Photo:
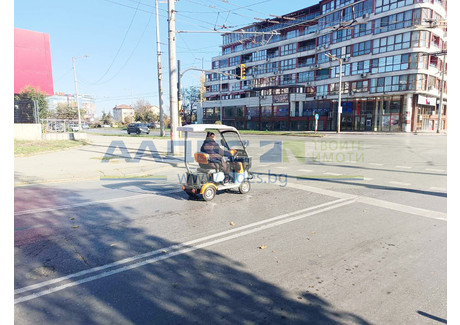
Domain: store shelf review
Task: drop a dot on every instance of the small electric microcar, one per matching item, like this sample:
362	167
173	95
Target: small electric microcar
208	178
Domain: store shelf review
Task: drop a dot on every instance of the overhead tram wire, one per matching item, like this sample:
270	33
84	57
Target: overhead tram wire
121	45
131	54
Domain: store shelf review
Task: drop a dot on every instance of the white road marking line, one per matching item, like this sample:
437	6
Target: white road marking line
380	203
261	225
403	208
368	179
131	259
399	183
438	189
261	165
305	170
332	174
404	167
435	170
281	167
375	164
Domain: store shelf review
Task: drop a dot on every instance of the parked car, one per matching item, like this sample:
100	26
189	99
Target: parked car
138	128
153	125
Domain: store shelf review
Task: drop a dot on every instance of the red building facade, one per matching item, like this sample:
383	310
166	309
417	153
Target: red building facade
32	61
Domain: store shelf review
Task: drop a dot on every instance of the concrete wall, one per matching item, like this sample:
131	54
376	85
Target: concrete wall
27	131
65	136
31	131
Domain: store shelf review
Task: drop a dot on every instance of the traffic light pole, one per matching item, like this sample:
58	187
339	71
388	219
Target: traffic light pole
173	75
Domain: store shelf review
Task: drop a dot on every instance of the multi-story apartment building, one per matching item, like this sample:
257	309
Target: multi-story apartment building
392	55
123	113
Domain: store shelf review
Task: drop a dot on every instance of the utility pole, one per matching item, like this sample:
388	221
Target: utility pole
76	93
339	108
442	53
441	97
179	96
160	85
172	73
76	88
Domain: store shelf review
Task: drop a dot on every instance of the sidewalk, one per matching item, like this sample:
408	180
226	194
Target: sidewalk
87	163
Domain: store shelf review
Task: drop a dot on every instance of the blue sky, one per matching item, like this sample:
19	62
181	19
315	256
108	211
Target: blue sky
120	41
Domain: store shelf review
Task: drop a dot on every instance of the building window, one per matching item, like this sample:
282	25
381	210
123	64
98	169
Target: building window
362	8
341	3
360	86
345	70
334	88
322	90
306	76
287	64
306	61
390	63
324	39
397	21
281	110
307	45
328	7
363	29
341	35
292	34
398	83
253	111
272	67
360	67
259	55
322	58
322	74
288	49
237	48
288	79
391	43
235	60
342	52
386	5
362	48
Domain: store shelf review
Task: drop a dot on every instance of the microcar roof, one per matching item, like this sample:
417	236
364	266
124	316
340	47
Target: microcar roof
205	127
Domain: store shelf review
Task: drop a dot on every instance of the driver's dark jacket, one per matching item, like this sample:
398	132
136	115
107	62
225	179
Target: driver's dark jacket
213	149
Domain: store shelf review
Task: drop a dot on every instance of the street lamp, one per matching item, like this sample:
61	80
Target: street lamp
76	88
339	108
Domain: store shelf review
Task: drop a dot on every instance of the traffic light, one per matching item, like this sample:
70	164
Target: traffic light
238	73
243	71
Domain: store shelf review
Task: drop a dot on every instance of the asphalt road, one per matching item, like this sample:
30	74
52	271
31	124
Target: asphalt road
347	229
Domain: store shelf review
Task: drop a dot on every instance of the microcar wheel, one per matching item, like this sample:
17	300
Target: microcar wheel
209	193
244	187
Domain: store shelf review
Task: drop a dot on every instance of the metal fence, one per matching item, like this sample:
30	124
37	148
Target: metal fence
26	111
56	125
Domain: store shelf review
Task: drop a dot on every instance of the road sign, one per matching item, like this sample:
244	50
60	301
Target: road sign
316	117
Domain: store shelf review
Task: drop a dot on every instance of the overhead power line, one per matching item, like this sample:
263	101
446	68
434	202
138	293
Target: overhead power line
122	43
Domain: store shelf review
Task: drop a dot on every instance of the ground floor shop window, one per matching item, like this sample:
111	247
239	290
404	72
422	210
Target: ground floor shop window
280	126
252	125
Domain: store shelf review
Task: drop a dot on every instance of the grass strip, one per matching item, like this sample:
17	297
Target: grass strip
32	147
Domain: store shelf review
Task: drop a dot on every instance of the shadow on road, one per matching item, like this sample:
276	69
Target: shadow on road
356	184
438	319
200	286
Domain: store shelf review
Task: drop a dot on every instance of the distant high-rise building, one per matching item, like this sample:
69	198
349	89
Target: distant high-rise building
87	104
